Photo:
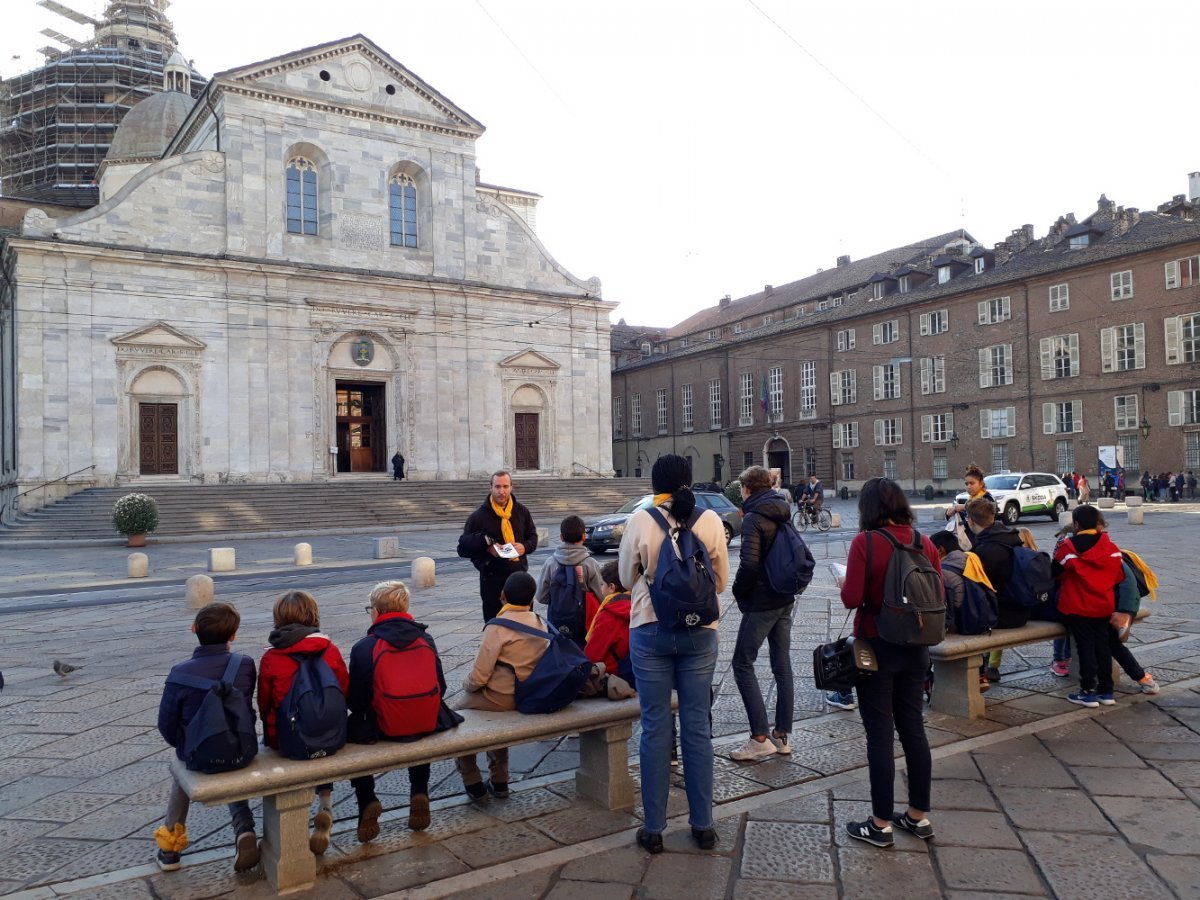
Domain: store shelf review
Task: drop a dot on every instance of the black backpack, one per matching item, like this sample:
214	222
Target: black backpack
220	737
913	608
684	590
566	612
311	720
788	566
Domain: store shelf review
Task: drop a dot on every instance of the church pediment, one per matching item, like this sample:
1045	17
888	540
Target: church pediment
159	336
354	75
530	360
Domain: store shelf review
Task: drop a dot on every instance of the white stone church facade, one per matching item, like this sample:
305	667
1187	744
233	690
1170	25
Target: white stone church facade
304	279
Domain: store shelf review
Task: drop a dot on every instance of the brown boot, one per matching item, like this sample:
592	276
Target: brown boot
418	812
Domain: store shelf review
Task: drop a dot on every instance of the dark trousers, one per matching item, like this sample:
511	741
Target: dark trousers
1091	636
490	588
1125	659
892	700
775	627
364	785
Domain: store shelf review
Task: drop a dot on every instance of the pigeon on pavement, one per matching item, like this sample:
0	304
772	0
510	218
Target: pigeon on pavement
63	669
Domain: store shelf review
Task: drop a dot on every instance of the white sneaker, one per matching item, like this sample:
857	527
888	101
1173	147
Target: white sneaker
782	745
753	749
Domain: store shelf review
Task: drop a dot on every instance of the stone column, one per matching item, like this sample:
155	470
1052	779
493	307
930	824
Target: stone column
956	692
603	774
286	859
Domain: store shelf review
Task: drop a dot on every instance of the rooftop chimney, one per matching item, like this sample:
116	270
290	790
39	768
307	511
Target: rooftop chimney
767	288
1194	186
724	301
843	261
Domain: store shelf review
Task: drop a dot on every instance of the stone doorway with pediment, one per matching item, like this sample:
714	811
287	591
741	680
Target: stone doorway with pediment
529	380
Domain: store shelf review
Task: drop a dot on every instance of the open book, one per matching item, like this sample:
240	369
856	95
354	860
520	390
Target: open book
506	551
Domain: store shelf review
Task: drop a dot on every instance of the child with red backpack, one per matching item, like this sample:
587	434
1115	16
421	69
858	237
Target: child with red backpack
396	693
296	639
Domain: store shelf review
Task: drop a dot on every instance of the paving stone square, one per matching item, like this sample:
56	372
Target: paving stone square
987	870
1070	864
787	851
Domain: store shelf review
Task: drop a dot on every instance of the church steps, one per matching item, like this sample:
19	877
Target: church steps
343	503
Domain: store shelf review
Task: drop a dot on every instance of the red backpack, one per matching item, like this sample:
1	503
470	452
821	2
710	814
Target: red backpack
406	693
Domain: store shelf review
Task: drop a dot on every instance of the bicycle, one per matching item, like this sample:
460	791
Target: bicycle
821	519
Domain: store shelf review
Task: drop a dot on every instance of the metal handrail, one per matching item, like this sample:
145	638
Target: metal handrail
590	469
44	484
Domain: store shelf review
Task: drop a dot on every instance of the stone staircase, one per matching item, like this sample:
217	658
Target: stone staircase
353	503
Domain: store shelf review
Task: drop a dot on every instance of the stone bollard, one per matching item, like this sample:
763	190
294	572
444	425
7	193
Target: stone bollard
1064	518
1106	503
835	520
424	572
1132	500
543	535
1136	515
302	554
222	559
1072	503
138	565
199	591
385	547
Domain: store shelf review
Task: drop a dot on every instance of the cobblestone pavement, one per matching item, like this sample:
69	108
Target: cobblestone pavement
1031	801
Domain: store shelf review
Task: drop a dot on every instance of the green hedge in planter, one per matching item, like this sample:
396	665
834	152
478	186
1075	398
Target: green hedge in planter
135	514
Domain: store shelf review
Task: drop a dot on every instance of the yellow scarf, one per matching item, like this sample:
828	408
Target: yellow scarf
973	569
1087	531
510	606
1147	572
505	515
596	618
660	499
982	491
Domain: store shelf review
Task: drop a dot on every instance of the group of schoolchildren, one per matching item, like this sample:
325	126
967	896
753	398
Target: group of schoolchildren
311	704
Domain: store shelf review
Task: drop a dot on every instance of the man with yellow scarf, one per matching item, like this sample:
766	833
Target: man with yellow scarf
501	521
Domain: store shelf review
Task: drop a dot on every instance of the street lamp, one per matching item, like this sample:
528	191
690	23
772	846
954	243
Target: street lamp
954	441
1145	428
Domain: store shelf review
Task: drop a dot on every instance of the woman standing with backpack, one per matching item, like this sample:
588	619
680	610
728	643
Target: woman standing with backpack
673	654
890	700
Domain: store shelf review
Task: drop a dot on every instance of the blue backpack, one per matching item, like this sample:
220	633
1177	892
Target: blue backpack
789	565
220	737
311	720
980	606
1031	583
558	676
566	611
683	592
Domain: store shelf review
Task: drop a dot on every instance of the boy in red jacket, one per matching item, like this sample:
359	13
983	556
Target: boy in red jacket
297	632
1088	568
608	635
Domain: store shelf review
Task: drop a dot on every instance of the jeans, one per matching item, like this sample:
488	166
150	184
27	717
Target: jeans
685	661
1124	657
178	803
1095	656
775	627
892	700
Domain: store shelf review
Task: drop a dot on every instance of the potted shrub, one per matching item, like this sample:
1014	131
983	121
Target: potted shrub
135	516
733	491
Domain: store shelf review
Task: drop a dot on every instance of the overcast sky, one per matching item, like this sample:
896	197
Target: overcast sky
686	149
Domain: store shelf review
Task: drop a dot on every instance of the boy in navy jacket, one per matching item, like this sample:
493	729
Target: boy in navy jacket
215	626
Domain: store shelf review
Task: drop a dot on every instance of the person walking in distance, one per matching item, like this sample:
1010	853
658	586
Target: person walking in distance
398	466
498	538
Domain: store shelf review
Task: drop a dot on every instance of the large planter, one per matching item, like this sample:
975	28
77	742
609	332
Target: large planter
136	540
135	516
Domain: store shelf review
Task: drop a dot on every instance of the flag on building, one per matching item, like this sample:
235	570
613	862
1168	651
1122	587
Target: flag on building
765	399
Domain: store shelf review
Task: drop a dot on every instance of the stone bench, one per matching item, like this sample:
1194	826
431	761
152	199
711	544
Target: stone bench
956	661
286	785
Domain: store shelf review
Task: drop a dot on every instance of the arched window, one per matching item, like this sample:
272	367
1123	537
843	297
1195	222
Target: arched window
402	202
301	196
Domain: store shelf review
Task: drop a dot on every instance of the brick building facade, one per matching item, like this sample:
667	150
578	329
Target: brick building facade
915	362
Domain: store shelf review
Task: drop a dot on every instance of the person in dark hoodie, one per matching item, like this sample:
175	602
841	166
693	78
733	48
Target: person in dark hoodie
766	616
297	633
501	522
392	698
571	552
994	544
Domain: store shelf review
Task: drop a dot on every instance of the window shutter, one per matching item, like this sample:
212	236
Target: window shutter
1005	308
837	437
877	378
1012	421
899	430
985	369
878	432
1046	346
1107	353
1073	346
924	323
926	429
835	394
1171	329
1139	345
1174	407
985	423
1077	415
1171	273
877	334
854	385
949	423
1048	418
1008	364
895	323
984	313
926	375
853	442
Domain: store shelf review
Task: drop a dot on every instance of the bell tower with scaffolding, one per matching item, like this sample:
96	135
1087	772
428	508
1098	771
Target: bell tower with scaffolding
57	122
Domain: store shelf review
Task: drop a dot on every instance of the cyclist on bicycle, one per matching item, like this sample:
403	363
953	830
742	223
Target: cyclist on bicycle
812	498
